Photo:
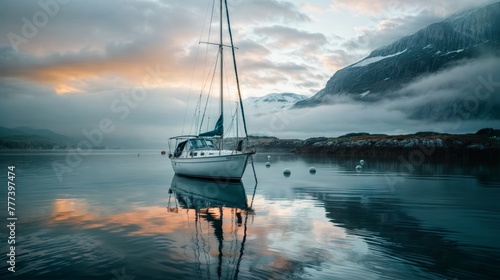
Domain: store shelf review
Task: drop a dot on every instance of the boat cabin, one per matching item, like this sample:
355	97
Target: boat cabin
195	147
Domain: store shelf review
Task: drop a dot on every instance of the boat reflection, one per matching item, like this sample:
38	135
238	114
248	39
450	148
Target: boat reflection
223	207
198	194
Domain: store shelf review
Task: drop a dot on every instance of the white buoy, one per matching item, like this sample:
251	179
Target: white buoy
287	172
362	162
268	164
358	168
268	157
312	170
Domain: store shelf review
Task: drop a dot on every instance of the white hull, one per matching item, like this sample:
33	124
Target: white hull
222	168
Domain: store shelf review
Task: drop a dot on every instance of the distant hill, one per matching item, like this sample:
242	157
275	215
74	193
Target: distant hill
467	35
44	133
29	138
25	137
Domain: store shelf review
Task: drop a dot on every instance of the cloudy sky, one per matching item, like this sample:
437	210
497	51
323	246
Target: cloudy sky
67	65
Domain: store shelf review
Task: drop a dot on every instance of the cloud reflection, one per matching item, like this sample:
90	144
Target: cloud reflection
299	230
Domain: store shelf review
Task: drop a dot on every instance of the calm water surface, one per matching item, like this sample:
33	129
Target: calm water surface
121	216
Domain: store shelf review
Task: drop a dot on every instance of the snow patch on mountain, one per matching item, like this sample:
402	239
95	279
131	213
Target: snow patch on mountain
271	103
456	51
365	93
371	60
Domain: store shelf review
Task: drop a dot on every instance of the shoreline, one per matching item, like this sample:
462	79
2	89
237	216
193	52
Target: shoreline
483	145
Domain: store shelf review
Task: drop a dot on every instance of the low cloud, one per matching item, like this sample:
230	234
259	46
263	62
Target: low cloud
469	90
426	104
461	99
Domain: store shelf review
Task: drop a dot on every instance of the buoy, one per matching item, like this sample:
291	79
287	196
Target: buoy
312	170
287	172
358	168
163	153
268	157
268	164
362	162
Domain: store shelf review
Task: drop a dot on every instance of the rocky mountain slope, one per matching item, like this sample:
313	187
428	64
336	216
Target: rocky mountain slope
467	35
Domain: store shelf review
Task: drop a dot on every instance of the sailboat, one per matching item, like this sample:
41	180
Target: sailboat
203	155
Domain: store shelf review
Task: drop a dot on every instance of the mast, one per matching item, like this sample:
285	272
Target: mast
221	48
236	73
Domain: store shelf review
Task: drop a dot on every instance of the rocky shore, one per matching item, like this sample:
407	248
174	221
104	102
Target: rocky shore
484	144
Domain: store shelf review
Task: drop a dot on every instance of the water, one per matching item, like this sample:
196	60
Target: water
124	215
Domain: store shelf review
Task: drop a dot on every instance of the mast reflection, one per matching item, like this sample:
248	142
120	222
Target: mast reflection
224	207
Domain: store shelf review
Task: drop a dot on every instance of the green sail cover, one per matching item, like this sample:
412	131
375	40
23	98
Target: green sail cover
218	130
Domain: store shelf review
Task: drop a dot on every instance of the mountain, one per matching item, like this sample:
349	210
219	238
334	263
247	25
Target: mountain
466	35
271	103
